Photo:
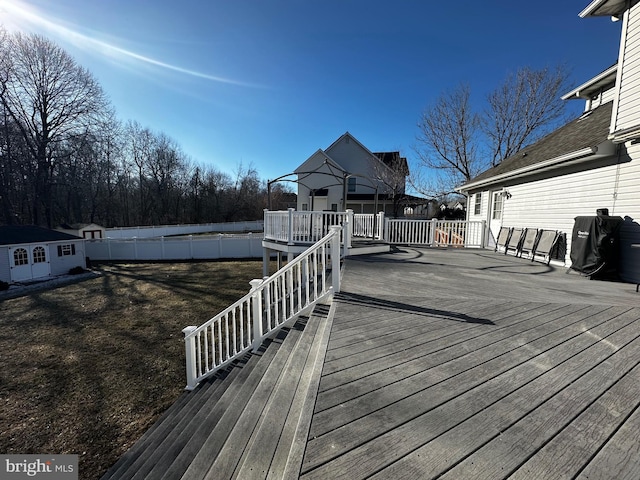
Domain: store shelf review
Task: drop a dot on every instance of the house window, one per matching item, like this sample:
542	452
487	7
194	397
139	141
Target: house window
478	205
39	255
352	184
20	257
497	206
305	207
334	207
64	250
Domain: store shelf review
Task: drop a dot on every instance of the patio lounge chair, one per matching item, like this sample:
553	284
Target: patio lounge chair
529	242
503	238
546	243
515	240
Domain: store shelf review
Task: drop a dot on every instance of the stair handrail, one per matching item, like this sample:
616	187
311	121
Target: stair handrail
272	303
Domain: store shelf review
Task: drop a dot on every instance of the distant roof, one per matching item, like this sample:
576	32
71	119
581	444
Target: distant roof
16	234
76	226
392	159
588	130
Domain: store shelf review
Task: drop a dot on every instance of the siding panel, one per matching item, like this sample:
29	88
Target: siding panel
628	113
553	203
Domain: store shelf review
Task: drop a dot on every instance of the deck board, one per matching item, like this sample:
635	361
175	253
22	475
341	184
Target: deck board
501	396
441	364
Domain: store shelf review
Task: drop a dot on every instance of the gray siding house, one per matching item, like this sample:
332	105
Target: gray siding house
592	162
347	175
28	252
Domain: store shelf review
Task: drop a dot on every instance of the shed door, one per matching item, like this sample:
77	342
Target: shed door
40	264
20	263
29	261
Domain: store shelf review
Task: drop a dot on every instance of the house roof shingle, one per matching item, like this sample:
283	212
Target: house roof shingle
17	234
588	130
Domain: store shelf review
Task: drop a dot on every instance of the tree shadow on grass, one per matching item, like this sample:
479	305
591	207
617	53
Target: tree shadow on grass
379	303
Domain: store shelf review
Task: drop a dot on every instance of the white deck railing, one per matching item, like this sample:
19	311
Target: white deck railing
296	228
272	303
456	233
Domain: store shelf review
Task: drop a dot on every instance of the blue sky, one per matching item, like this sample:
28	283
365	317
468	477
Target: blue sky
267	83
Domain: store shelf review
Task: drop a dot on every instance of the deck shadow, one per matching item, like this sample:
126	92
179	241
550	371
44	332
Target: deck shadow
356	299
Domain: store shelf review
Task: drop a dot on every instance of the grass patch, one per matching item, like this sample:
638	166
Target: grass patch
87	368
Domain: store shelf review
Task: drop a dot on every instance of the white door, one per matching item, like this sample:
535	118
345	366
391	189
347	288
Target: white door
40	264
496	203
20	263
319	204
29	261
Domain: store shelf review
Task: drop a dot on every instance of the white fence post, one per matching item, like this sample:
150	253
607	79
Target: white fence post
379	233
190	354
290	229
256	307
348	231
432	231
335	259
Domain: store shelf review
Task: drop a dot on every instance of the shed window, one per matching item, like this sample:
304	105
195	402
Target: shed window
20	257
39	255
497	206
478	205
64	250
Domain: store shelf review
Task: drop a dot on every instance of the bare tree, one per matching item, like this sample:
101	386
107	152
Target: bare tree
524	108
448	140
391	175
455	143
50	99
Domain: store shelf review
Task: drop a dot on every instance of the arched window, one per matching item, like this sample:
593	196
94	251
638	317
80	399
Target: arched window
39	255
20	257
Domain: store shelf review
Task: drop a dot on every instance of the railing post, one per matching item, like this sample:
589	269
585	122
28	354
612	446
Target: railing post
348	232
290	229
190	355
379	233
335	259
265	224
485	234
432	231
386	234
256	310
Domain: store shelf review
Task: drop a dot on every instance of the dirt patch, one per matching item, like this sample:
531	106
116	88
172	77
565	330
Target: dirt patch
88	367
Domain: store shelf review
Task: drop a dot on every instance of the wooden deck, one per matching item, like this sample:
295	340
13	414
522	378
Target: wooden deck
451	364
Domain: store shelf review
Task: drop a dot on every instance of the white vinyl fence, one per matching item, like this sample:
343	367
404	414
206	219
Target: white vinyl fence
204	247
272	303
188	229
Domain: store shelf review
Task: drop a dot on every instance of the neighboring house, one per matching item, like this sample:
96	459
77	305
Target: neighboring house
28	252
372	182
590	163
83	230
453	210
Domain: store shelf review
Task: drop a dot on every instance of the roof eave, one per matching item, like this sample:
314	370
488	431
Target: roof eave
603	8
585	154
585	90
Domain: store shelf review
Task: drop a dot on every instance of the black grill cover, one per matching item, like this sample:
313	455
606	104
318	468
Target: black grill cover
594	244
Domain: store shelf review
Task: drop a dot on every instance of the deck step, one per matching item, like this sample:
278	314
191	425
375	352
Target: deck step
169	435
238	424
